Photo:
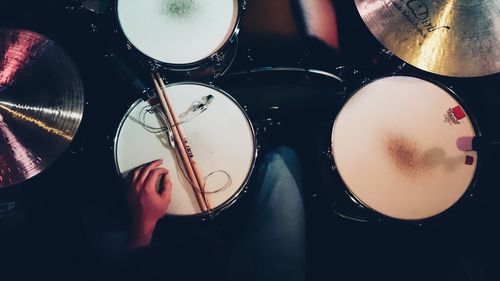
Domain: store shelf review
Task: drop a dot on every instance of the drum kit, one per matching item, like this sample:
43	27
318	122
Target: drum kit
392	144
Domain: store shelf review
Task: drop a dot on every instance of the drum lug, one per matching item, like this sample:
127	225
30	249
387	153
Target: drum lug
384	62
217	60
74	6
243	5
153	66
93	27
129	46
350	76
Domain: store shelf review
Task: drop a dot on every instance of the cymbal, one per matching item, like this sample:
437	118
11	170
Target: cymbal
458	38
41	104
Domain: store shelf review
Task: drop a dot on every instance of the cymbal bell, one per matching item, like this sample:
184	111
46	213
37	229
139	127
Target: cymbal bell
41	104
458	38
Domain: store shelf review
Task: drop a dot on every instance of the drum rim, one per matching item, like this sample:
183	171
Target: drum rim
379	215
233	198
95	11
191	65
286	69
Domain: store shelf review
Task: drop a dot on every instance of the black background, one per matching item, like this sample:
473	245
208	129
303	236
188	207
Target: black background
51	242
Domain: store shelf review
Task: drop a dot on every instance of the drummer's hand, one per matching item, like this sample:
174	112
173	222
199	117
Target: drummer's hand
146	204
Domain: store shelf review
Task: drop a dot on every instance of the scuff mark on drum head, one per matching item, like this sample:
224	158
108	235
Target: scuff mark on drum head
407	156
179	8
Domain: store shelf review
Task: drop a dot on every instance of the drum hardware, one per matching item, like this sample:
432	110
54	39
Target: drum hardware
41	99
451	38
97	7
384	62
243	5
74	5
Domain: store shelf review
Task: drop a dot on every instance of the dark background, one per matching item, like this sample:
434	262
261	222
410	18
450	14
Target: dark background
47	238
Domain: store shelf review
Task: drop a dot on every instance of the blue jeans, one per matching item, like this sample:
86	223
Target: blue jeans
273	245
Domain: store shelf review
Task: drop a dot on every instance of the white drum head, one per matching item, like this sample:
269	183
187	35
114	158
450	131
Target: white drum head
394	145
178	31
221	138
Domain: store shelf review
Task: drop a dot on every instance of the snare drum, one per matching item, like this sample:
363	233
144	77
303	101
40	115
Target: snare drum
394	147
193	36
221	138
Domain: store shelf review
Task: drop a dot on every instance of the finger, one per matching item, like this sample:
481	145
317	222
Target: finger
135	175
166	185
153	178
138	170
147	169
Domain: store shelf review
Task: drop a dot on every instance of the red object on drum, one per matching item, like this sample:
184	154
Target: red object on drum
458	112
469	160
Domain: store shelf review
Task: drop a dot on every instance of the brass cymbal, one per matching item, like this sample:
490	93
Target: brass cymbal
457	38
41	104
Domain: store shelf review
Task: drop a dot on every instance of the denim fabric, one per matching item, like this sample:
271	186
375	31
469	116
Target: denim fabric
273	244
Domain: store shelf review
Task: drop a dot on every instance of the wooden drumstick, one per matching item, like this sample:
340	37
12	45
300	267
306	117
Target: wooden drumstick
180	148
187	148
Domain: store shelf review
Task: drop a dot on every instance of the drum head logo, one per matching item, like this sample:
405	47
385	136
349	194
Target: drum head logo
454	115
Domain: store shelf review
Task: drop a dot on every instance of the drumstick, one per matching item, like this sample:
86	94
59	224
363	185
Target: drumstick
187	148
180	148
